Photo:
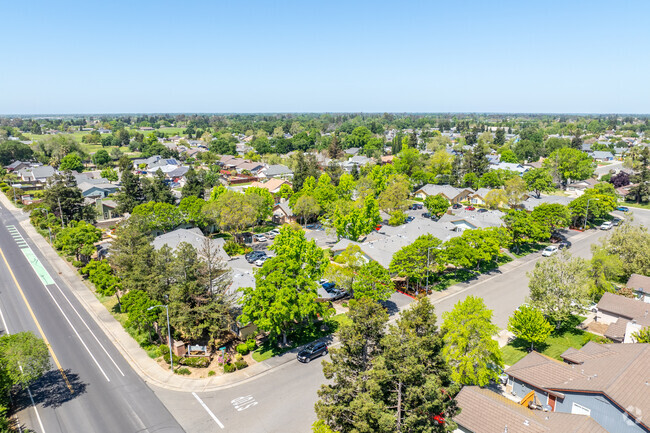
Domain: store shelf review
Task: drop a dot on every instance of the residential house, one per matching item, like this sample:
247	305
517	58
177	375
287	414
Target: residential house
357	160
387	159
511	166
352	151
477	198
532	201
453	194
36	174
97	190
625	316
278	171
470	220
283	214
602	156
641	286
619	152
581	185
17	166
145	162
485	411
106	210
272	185
608	382
194	237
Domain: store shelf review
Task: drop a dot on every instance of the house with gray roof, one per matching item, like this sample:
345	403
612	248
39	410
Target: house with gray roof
533	201
97	190
194	237
35	174
608	382
352	151
17	165
511	166
470	220
451	193
601	155
641	286
477	198
278	171
625	316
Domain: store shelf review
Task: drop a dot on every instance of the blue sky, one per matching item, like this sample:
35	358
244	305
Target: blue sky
324	56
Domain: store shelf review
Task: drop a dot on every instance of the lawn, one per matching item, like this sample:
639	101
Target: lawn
304	335
526	249
447	279
555	345
637	205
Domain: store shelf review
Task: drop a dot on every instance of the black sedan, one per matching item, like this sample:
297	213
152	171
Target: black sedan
312	351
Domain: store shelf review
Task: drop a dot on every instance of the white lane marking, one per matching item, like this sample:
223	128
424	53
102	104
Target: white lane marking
207	409
71	325
243	403
38	417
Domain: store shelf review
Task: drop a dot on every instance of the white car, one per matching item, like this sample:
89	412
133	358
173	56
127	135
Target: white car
550	250
260	262
259	238
607	225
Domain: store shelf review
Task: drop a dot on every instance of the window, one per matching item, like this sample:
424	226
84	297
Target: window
578	409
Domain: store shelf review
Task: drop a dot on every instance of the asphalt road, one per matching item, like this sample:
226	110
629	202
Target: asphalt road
95	389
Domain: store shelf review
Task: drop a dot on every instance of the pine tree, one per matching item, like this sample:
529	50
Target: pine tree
130	194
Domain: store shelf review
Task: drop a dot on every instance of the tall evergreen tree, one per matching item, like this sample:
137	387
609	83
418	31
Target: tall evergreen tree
130	194
193	185
66	201
156	189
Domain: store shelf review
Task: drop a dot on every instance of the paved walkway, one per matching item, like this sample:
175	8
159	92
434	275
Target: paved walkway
146	367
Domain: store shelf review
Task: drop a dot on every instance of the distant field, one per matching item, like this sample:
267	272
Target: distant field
171	131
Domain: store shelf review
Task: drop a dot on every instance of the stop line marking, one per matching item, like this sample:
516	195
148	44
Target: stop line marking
207	409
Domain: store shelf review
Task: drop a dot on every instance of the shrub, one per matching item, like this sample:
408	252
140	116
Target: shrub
77	264
162	349
397	218
183	371
251	344
229	368
241	364
238	357
232	248
198	362
211	373
243	349
174	357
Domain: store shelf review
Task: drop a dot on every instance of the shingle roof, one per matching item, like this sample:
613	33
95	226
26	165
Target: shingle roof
193	237
484	411
616	331
639	282
277	170
447	190
622	306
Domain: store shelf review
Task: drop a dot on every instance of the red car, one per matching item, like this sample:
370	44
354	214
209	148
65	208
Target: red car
378	227
470	208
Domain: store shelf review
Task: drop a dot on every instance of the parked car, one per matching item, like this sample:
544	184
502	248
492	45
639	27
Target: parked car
617	221
254	255
409	219
457	206
550	250
607	225
623	209
564	244
415	206
328	285
379	226
270	235
470	208
312	351
260	262
426	215
482	210
259	238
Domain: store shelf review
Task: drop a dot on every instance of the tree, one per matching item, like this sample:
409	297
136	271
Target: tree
159	216
509	156
324	192
192	210
372	281
78	239
495	198
539	180
552	215
101	158
436	204
157	189
11	151
24	358
529	325
232	211
306	207
642	335
109	174
132	255
605	268
630	244
470	180
71	162
472	248
515	189
66	200
292	246
262	200
500	137
393	197
620	179
101	274
193	185
558	286
591	205
569	164
130	194
470	351
524	228
352	220
334	150
415	260
350	361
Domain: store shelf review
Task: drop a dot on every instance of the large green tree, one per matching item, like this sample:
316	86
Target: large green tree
471	352
157	189
436	204
539	180
130	194
530	325
71	162
414	260
78	239
66	201
569	165
372	281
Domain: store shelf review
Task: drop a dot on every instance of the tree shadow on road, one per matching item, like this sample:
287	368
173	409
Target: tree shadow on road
52	391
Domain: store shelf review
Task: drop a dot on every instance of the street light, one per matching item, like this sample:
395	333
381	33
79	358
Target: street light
47	218
586	215
169	335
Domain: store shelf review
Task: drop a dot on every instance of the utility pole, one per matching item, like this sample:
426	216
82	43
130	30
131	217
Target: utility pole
60	211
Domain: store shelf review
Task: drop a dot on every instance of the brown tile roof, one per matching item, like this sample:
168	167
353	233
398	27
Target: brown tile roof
639	282
484	411
616	331
619	371
622	306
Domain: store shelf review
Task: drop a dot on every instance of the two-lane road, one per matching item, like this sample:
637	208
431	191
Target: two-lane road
91	387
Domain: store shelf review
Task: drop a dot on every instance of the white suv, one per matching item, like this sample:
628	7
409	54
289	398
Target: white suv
550	250
607	225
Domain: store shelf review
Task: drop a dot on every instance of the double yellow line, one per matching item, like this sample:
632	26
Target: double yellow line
38	325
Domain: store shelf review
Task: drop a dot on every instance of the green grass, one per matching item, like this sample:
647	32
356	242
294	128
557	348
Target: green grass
304	335
555	345
637	205
526	249
448	279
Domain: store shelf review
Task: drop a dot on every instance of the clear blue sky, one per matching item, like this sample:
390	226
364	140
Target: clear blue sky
317	56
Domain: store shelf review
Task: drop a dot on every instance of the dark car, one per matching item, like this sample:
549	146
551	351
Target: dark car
328	286
254	255
426	215
418	206
482	210
457	206
409	219
563	244
312	351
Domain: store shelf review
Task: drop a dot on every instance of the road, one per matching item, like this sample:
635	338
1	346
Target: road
91	387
